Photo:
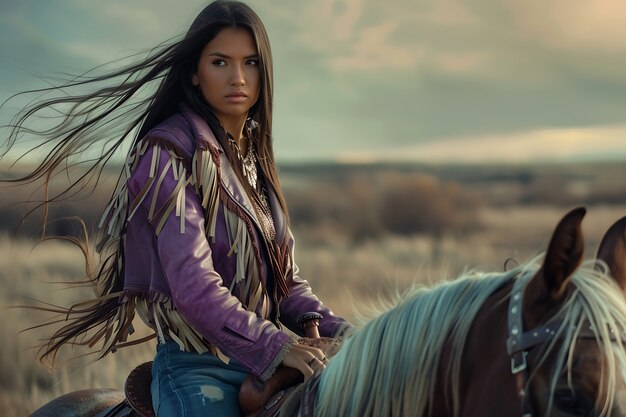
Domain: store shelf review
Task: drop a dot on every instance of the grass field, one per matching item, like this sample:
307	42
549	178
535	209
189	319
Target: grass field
467	219
346	276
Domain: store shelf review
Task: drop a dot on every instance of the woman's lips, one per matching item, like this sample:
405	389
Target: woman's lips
237	97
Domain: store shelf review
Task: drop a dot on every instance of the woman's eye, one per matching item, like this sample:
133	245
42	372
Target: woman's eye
219	62
252	62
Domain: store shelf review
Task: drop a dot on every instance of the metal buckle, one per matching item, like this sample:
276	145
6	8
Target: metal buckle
515	367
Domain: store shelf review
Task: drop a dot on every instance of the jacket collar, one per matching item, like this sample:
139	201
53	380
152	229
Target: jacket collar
231	183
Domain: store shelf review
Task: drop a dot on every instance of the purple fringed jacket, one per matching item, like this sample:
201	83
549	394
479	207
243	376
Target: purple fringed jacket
195	266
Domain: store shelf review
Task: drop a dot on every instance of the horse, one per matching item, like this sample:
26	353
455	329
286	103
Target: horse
544	338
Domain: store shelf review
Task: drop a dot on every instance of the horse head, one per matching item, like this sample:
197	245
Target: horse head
565	328
580	372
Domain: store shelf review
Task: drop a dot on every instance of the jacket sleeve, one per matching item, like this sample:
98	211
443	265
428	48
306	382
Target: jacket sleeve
302	300
197	290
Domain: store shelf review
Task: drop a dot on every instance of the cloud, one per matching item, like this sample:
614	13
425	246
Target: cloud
446	13
373	51
343	15
460	62
119	28
320	28
350	37
9	6
445	36
370	74
549	145
596	25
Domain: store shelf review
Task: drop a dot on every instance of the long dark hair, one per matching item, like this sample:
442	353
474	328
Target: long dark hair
119	104
109	116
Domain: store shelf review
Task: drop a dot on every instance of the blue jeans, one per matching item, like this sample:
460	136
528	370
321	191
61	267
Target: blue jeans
186	384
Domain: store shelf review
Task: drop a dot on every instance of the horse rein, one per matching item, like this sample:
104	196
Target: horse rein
520	342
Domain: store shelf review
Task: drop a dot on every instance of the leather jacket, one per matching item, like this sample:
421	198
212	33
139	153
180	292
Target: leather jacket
180	270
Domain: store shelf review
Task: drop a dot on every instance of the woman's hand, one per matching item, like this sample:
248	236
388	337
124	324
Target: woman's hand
306	359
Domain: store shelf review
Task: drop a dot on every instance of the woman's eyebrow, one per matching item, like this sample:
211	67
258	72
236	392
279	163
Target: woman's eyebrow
223	55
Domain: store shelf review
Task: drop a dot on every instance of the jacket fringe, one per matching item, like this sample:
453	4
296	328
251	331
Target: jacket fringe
155	309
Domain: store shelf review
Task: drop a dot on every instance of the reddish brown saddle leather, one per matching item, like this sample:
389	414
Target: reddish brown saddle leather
137	390
253	395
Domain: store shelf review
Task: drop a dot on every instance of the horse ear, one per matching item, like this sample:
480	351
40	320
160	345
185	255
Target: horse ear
613	251
565	252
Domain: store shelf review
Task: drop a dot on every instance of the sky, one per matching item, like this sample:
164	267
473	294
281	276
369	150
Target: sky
442	81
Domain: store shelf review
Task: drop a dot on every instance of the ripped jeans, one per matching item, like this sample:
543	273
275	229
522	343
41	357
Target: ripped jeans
186	384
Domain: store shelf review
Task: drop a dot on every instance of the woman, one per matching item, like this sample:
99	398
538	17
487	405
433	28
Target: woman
196	238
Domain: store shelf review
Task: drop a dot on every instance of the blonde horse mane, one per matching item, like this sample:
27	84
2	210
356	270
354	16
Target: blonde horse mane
388	367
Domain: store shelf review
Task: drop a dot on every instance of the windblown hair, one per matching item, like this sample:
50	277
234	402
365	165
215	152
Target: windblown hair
120	107
390	364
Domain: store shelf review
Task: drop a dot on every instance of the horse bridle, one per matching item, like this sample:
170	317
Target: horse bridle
520	342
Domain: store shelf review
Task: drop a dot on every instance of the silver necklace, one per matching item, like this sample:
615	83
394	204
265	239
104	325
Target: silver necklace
248	162
249	169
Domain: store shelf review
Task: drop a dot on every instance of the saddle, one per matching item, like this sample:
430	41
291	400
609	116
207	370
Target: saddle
137	390
256	399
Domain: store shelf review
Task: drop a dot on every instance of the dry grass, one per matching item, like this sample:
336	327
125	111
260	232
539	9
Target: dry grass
340	271
27	274
345	275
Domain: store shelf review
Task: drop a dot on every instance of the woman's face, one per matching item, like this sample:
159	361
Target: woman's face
228	74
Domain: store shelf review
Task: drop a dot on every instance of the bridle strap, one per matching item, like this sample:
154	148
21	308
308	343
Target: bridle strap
521	378
532	337
519	341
